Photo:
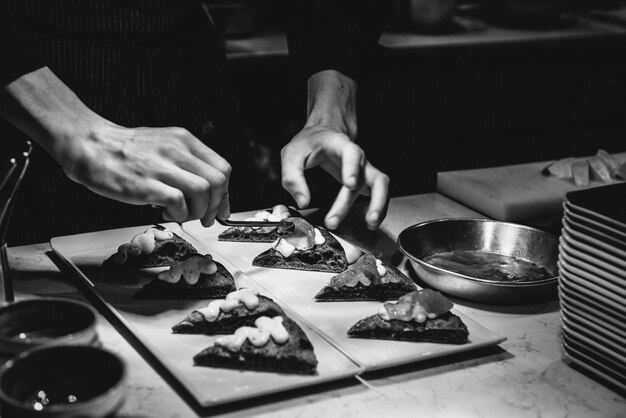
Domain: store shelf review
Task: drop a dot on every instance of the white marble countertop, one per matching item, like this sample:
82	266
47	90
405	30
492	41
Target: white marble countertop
524	376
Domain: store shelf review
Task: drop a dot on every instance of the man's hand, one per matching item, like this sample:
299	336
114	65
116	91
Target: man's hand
165	167
345	161
327	141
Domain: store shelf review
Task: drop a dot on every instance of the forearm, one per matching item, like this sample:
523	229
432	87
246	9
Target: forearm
332	102
49	112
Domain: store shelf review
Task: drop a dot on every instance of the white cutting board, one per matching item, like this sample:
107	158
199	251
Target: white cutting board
513	193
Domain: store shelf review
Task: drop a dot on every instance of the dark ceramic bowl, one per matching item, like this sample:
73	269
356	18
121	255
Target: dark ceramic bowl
29	323
62	381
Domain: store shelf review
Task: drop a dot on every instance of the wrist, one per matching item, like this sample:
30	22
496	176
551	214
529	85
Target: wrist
46	109
332	102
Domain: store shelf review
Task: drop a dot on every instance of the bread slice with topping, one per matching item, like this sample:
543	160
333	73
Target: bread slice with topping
367	279
222	317
326	257
420	316
187	280
295	354
156	247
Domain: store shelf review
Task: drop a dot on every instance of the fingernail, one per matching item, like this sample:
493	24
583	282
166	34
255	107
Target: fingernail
373	216
332	222
300	200
351	182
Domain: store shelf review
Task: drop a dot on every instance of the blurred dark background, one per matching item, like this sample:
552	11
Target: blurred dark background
455	85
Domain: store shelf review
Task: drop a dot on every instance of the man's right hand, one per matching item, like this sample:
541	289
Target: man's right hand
165	167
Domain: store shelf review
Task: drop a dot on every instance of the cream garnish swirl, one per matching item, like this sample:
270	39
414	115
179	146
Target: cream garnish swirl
249	298
259	335
143	243
190	269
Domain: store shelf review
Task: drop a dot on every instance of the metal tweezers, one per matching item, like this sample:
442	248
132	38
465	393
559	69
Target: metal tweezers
283	226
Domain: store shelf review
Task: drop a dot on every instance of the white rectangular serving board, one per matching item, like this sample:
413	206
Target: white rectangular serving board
297	290
151	320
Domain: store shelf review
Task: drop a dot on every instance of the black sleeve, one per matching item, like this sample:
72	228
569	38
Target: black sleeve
332	34
18	55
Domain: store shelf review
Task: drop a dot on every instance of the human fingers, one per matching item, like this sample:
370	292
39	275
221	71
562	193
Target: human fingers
201	151
219	206
352	165
224	211
340	207
293	159
378	184
171	199
195	189
209	197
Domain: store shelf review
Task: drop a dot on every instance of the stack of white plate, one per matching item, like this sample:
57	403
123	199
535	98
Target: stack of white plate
592	282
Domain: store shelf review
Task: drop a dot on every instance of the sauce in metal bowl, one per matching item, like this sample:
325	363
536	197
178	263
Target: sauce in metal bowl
489	266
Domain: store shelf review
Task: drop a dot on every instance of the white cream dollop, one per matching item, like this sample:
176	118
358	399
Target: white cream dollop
278	213
283	247
258	335
249	298
381	269
189	269
143	243
319	238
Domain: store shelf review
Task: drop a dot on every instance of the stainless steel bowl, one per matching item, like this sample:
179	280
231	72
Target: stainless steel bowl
418	242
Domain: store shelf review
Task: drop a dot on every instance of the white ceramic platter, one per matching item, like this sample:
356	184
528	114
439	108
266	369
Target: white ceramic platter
584	219
598	276
147	324
604	257
591	364
588	289
586	311
296	289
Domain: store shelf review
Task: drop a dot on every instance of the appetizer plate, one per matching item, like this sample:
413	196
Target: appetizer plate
576	354
611	224
597	290
147	323
588	312
606	203
590	222
600	277
612	343
597	239
596	345
601	256
591	296
297	290
572	253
